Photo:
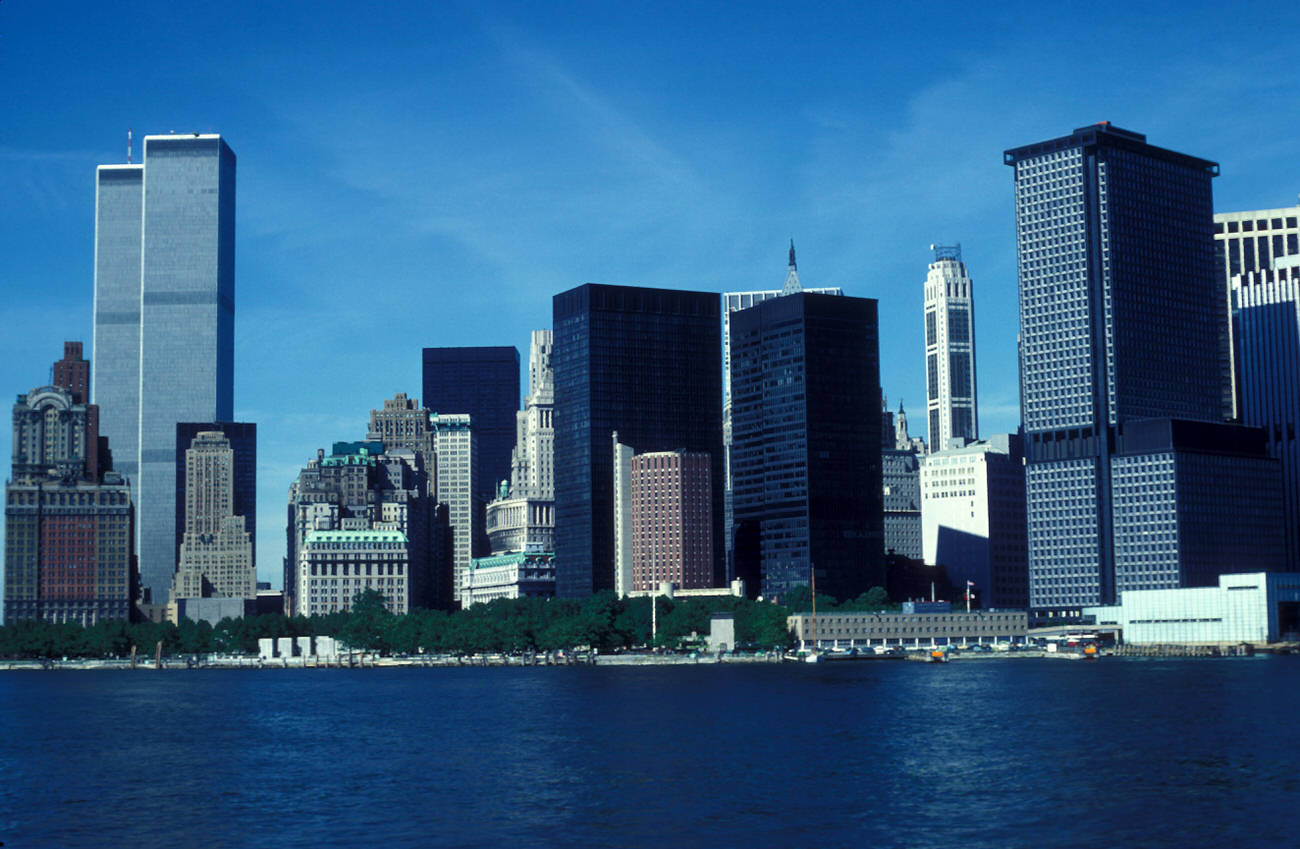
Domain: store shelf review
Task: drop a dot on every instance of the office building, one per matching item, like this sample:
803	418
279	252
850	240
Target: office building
522	516
731	302
900	473
242	437
1119	323
973	518
334	566
456	444
69	554
1266	345
950	349
1251	241
403	423
482	382
364	487
806	456
216	556
643	362
164	319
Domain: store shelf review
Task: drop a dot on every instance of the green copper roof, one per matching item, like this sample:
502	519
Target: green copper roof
355	536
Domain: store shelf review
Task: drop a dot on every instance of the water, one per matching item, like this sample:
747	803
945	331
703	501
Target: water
990	753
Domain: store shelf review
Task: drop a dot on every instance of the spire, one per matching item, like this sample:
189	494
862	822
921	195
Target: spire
792	284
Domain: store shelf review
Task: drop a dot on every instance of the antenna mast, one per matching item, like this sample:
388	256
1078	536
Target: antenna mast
128	145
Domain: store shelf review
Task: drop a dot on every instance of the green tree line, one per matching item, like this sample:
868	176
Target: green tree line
603	621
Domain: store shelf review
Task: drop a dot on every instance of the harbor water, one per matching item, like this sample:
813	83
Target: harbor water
996	753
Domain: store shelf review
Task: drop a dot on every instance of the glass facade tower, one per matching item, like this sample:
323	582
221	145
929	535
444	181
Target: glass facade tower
483	382
643	362
805	452
179	208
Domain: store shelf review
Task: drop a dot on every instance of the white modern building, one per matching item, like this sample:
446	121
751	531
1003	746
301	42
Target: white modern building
1252	607
457	451
949	349
973	518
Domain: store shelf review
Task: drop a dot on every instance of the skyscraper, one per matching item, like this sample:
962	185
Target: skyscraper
1118	300
950	349
68	546
456	444
164	318
1251	240
643	362
731	302
1266	345
216	556
242	437
484	383
806	444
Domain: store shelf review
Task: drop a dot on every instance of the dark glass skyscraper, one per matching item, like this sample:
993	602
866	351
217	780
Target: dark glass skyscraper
1120	323
805	444
243	441
642	362
483	382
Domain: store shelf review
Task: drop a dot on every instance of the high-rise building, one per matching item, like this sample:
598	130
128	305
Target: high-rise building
69	554
731	302
1266	345
806	444
164	318
1119	324
403	423
216	556
456	444
950	349
363	487
482	382
900	473
522	516
242	437
643	362
1253	240
973	518
672	520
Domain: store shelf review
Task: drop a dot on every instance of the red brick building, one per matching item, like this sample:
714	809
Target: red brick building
671	518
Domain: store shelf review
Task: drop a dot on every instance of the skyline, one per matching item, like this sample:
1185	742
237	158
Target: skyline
414	179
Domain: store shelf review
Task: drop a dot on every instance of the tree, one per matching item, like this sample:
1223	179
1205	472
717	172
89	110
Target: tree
368	622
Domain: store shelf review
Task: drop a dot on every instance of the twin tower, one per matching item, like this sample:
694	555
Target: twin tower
164	320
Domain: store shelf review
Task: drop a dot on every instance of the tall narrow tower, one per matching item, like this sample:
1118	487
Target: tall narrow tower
164	319
949	349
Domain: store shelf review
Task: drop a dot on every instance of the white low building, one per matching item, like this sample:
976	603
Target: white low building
1252	607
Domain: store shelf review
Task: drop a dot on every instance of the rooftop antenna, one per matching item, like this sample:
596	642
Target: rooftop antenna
128	145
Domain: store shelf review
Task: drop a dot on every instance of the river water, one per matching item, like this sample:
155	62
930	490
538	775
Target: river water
981	753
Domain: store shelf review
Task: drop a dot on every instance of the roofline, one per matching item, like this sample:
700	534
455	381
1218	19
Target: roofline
1103	134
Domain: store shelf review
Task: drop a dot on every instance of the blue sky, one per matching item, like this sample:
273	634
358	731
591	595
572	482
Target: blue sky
419	174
